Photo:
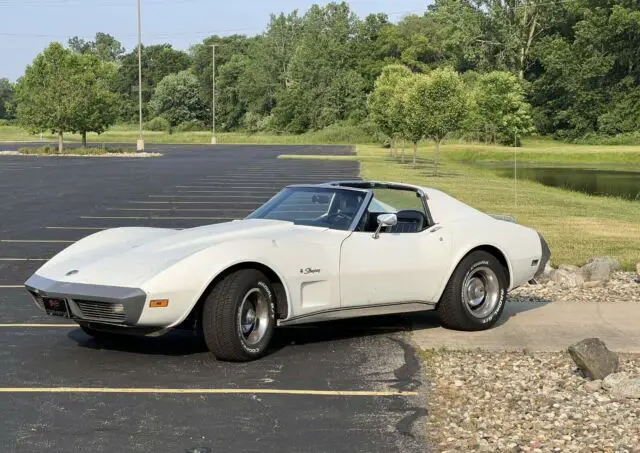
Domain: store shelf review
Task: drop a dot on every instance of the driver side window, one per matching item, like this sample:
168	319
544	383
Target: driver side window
407	206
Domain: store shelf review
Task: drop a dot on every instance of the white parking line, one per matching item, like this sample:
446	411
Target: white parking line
44	241
40	326
76	228
24	259
158	218
254	203
208	391
209	196
250	193
230	189
180	209
11	286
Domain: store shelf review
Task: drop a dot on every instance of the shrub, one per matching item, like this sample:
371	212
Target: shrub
190	126
158	124
341	133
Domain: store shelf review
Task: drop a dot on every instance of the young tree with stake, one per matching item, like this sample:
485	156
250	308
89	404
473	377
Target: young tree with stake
435	105
380	102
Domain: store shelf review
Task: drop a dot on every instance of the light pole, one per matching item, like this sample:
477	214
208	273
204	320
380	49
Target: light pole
213	94
140	144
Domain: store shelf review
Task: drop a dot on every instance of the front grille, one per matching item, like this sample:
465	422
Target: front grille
101	311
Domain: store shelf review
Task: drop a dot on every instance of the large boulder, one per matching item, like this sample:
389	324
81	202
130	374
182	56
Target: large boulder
567	278
599	268
594	359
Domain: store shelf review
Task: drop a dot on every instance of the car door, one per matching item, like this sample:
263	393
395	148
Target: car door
395	267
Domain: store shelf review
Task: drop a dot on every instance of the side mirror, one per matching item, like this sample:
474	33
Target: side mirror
385	221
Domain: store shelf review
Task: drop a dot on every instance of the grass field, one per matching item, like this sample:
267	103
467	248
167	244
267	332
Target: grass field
127	134
577	226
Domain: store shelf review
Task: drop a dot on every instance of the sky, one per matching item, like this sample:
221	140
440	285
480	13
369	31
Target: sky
28	26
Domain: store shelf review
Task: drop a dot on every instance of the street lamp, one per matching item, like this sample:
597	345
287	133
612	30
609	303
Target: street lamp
140	144
213	97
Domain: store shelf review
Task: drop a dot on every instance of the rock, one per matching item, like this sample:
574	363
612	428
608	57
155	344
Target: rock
569	267
546	274
593	386
599	268
628	388
593	358
614	379
593	284
566	278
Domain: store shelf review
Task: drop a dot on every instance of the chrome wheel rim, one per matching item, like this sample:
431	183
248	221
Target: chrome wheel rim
254	317
481	292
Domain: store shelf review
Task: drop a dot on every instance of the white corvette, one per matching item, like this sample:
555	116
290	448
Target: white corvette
311	253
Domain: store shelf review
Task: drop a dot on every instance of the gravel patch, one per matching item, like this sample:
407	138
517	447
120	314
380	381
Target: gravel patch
524	402
622	287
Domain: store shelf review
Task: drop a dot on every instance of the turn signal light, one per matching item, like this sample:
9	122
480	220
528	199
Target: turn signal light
159	303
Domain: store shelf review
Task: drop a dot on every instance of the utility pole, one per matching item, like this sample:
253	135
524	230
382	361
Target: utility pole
140	144
213	96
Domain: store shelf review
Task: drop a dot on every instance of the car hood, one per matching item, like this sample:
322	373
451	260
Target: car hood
129	262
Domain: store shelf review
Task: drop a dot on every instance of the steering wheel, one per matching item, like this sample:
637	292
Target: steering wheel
338	217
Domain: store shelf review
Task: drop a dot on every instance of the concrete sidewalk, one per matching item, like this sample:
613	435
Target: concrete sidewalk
542	327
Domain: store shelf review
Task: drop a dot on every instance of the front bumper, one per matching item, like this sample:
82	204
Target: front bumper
111	305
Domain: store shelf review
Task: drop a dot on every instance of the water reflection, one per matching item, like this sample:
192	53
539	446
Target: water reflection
625	184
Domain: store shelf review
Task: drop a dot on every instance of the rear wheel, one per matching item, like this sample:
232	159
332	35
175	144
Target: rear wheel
475	295
238	316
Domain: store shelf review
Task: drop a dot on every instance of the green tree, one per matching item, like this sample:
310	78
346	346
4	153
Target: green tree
105	47
47	94
158	61
6	99
321	68
386	117
227	49
95	109
502	107
177	99
230	105
589	71
435	105
267	73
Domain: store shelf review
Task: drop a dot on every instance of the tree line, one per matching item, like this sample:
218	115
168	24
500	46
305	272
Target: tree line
567	68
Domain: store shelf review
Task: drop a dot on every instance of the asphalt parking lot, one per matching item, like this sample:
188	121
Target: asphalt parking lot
345	386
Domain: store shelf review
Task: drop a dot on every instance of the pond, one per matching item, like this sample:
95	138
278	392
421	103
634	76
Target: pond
622	183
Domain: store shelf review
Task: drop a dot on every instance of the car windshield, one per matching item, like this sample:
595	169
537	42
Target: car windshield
325	207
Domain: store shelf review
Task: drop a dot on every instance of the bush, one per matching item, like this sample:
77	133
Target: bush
158	124
630	138
190	126
341	134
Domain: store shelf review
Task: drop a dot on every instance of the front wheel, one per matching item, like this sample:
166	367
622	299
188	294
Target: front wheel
475	295
238	316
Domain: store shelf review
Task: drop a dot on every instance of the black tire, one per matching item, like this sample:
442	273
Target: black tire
222	314
457	310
